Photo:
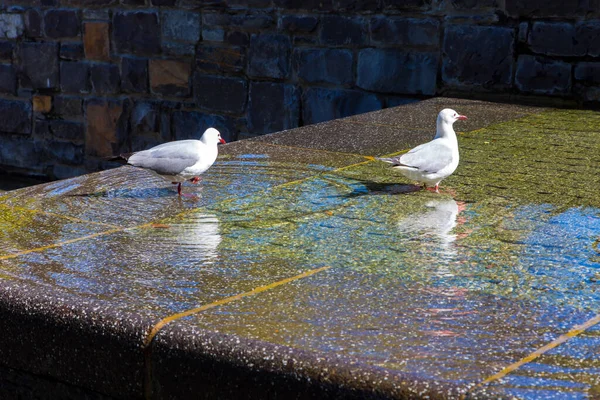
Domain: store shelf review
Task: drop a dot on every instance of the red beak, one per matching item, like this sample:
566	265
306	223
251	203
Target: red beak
462	117
223	140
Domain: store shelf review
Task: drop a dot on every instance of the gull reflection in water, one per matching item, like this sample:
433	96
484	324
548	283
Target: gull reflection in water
432	228
202	234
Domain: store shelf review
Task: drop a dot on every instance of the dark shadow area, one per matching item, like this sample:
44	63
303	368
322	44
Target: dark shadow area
12	182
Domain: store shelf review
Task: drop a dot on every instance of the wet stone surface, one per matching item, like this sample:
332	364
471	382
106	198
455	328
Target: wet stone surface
312	265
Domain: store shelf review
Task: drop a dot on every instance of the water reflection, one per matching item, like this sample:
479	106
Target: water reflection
437	221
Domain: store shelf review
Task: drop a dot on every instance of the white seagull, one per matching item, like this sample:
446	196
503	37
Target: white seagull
434	161
180	160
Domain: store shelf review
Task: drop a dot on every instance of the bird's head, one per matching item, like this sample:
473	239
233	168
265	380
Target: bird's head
212	136
449	116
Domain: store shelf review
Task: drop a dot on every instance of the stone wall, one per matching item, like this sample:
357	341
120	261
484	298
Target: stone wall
84	79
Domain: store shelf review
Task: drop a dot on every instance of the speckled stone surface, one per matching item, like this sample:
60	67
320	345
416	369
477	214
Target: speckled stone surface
300	267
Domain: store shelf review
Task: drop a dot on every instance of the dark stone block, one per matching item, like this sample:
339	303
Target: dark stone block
65	152
406	5
137	3
74	77
161	3
550	8
96	14
588	72
72	51
21	152
39	65
216	19
341	31
33	23
319	105
325	66
357	5
213	35
192	124
270	56
8	79
15	116
478	55
396	71
105	78
220	93
237	38
298	23
249	3
273	107
62	23
553	38
136	32
405	31
179	49
218	59
134	75
310	5
254	21
6	50
181	25
543	76
587	37
61	130
302	41
68	107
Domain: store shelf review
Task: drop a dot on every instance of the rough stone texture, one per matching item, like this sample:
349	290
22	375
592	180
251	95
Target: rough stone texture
405	31
15	116
325	66
476	55
42	104
219	58
272	107
181	25
136	32
134	75
11	26
554	39
68	107
588	38
319	105
219	93
39	65
96	40
269	56
72	51
542	75
338	31
6	50
396	71
588	72
61	23
104	78
33	23
8	79
550	8
102	117
170	78
74	77
298	23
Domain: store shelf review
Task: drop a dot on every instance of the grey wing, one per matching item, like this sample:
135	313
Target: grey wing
428	157
167	159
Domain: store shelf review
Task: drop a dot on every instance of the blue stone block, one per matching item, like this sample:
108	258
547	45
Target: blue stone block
319	105
325	66
270	56
181	25
396	71
273	107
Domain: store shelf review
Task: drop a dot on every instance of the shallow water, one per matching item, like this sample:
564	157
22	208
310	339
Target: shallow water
451	286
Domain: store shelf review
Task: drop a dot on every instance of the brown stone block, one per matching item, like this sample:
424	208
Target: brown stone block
42	104
102	117
96	41
169	77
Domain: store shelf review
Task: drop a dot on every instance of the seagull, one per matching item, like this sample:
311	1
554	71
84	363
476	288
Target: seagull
180	160
434	161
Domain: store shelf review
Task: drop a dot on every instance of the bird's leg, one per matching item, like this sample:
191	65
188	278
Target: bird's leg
179	188
195	179
434	189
